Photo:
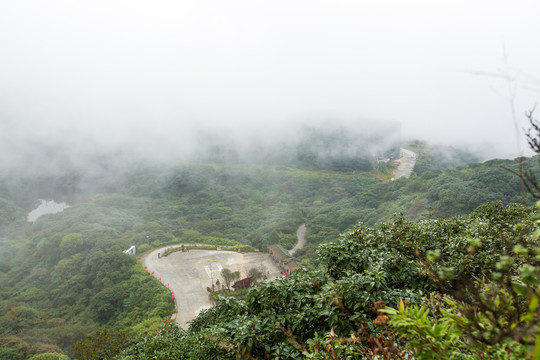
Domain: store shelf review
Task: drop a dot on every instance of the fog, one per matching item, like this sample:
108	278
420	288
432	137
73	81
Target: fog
157	78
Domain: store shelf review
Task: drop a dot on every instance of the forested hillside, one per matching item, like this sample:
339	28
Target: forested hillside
65	276
371	296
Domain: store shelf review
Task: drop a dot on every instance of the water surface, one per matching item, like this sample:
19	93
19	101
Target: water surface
46	207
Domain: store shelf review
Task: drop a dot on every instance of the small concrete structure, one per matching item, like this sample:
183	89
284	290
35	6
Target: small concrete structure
286	262
131	251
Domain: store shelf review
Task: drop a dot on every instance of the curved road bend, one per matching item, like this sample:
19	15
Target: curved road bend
406	162
188	274
300	239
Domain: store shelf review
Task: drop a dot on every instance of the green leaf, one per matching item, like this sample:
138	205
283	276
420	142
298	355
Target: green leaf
520	288
533	304
537	347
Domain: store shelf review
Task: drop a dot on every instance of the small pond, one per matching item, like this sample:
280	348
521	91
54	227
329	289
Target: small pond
46	207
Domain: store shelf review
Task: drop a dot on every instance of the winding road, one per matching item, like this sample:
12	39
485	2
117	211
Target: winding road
300	239
406	162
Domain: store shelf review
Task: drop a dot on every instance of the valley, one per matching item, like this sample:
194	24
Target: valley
65	279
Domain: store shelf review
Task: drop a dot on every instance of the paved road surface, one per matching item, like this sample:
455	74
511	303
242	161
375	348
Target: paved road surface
188	274
406	162
301	239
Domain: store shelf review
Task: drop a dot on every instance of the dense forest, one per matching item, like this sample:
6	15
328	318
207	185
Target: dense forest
65	277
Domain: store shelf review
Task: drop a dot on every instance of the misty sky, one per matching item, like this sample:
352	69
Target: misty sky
100	74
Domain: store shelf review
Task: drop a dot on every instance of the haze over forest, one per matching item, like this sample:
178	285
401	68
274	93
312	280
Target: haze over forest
269	127
161	78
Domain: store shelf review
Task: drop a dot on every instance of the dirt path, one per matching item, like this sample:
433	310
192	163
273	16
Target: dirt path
406	162
301	239
188	274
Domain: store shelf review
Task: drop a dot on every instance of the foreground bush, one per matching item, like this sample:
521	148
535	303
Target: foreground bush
465	287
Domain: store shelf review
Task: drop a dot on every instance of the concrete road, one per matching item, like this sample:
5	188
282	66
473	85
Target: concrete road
188	274
300	239
406	162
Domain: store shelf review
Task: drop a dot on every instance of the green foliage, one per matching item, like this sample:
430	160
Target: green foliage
257	274
237	294
104	344
174	343
436	159
461	191
491	312
277	318
65	276
335	312
49	356
447	334
69	277
229	277
11	216
337	149
71	244
430	338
